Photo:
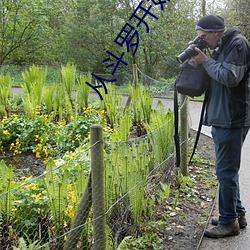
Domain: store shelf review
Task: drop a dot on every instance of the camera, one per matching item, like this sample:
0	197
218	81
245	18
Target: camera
190	51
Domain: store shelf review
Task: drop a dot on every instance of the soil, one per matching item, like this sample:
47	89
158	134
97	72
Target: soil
186	223
25	164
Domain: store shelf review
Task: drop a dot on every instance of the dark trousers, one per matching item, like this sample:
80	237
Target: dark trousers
228	145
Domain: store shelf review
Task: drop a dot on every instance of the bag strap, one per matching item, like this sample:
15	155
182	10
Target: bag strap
199	127
201	118
176	126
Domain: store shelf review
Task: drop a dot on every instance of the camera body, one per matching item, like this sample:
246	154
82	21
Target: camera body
190	51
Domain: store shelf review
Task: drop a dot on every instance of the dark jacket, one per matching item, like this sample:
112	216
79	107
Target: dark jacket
229	90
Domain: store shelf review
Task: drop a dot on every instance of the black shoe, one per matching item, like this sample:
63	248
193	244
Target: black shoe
221	231
241	219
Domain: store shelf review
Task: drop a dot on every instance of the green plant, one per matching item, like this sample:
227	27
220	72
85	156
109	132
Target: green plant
56	187
121	131
34	81
147	241
127	160
126	173
48	98
6	204
141	104
62	104
14	71
83	91
111	104
64	183
161	126
28	245
5	90
176	199
23	134
164	191
43	137
184	181
68	74
30	208
6	184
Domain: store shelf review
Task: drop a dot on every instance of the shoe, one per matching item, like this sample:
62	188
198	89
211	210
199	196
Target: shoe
221	231
241	219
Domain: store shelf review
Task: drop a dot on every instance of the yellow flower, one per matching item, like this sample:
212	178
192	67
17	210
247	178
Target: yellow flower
103	112
69	211
73	199
26	178
38	156
6	132
31	187
37	196
17	152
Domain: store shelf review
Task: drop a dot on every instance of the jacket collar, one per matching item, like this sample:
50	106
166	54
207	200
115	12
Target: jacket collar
231	32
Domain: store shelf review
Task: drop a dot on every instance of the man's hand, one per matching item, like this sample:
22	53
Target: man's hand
200	58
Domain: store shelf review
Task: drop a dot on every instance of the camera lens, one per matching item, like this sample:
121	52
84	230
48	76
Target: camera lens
190	51
187	53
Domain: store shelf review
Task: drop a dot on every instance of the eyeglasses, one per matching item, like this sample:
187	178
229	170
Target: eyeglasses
203	36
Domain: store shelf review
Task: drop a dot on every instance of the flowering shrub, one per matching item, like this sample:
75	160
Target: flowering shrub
30	204
43	137
45	205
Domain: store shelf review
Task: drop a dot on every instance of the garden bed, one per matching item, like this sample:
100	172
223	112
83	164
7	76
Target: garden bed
178	222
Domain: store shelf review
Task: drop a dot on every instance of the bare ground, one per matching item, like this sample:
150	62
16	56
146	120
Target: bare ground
186	223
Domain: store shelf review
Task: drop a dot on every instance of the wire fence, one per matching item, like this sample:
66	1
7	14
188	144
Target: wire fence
43	209
55	210
163	86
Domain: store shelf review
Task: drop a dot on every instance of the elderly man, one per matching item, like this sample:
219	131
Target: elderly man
228	112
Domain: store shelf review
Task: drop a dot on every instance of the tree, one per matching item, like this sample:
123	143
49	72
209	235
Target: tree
82	31
21	21
237	13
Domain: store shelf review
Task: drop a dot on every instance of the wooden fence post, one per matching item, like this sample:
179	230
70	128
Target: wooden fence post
184	135
135	74
135	81
98	194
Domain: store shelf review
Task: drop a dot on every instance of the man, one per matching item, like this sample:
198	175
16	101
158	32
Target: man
228	112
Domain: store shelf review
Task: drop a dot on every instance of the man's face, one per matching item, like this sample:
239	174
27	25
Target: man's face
211	38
